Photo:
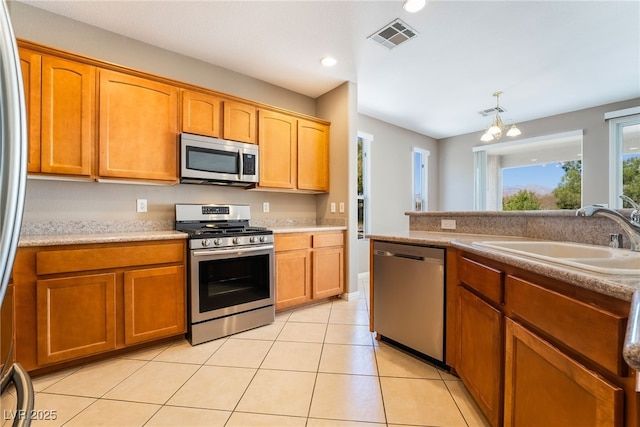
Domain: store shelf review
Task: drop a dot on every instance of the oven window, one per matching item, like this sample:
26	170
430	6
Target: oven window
212	160
233	281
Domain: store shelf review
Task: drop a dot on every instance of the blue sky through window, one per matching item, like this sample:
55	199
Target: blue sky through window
547	175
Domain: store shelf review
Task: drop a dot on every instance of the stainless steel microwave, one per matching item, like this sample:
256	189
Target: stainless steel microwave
206	160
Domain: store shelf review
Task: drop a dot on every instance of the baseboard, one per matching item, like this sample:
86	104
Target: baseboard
350	296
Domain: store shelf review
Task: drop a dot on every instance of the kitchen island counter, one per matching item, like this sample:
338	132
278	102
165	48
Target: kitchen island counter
617	286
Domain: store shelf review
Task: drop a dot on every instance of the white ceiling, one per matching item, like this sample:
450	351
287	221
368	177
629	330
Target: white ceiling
548	57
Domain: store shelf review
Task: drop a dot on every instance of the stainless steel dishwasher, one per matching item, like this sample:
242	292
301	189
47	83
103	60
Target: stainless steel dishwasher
409	297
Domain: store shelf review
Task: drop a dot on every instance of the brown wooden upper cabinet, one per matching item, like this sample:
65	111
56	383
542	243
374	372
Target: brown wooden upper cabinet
313	156
278	143
201	114
138	131
60	99
294	153
239	123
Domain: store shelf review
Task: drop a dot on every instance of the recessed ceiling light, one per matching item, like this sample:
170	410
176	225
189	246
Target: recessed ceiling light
328	61
413	6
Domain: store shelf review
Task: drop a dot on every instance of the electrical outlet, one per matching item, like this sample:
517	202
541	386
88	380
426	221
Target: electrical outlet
333	207
341	207
265	206
141	205
448	224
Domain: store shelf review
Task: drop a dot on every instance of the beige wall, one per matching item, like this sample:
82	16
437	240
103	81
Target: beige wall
391	155
339	106
456	156
58	200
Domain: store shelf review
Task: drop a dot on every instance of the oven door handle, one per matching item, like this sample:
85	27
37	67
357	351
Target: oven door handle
242	250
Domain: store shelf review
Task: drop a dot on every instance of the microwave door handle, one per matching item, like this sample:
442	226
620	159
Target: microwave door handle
240	164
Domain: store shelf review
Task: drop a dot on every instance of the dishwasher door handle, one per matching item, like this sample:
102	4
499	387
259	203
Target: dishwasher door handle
408	256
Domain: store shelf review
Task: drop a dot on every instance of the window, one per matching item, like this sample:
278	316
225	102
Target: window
542	173
364	141
624	168
419	164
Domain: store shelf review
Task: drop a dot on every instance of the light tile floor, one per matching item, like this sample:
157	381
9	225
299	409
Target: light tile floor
316	366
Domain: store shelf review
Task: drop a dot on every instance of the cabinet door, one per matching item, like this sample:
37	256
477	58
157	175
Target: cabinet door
328	272
278	149
293	278
75	316
545	387
67	117
30	64
138	128
239	122
479	358
313	156
154	303
201	114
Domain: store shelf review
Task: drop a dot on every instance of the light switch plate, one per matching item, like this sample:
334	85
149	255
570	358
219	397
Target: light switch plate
341	207
333	207
448	224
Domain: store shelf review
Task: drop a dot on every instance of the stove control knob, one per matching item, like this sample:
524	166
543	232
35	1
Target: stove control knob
252	239
205	242
236	240
217	242
263	239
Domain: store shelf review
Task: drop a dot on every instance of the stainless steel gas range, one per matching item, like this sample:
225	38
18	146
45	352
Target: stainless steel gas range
230	271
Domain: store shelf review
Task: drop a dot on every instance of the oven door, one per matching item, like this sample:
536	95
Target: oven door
223	282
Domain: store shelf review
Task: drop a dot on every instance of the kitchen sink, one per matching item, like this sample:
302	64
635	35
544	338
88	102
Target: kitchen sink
599	259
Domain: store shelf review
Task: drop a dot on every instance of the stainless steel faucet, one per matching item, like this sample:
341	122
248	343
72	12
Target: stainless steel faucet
635	214
630	227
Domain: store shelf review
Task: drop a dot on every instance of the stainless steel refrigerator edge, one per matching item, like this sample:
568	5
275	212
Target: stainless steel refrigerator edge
13	170
409	297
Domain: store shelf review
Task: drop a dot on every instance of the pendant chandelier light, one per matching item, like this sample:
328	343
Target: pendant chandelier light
497	127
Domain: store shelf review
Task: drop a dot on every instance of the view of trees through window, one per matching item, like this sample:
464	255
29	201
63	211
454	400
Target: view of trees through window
631	178
536	196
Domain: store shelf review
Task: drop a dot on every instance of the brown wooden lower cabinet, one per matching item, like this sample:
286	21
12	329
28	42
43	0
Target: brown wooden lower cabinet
309	266
76	316
75	301
536	351
545	387
293	278
153	304
480	350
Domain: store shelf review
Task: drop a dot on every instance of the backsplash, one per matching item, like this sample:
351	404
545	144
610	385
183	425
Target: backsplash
546	225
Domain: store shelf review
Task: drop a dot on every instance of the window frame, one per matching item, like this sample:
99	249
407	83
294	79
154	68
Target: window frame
618	120
480	162
367	139
424	153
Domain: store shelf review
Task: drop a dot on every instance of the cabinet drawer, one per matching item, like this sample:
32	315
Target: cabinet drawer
292	242
72	260
589	330
328	239
487	281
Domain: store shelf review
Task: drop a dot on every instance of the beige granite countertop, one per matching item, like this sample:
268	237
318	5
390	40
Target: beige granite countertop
617	286
78	239
307	228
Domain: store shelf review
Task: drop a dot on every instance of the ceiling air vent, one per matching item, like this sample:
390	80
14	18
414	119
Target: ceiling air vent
394	34
491	111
